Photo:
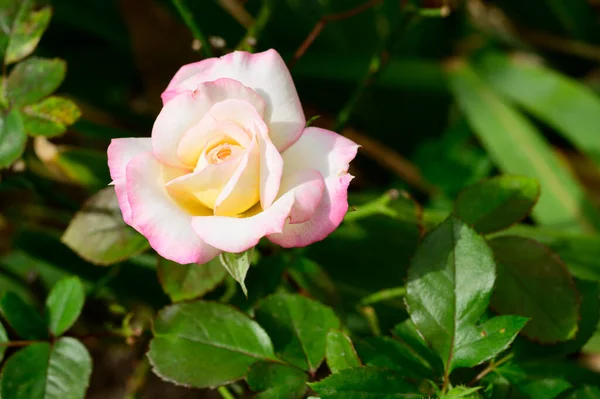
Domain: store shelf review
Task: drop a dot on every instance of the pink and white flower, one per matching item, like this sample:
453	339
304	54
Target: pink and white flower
230	162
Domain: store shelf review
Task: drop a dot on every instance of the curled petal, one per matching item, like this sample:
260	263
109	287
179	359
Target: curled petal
177	116
239	234
158	217
120	152
330	154
194	141
265	73
233	234
241	191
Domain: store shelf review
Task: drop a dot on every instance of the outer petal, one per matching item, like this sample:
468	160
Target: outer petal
166	226
330	154
120	152
266	73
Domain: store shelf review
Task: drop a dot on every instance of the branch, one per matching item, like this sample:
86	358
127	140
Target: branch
316	31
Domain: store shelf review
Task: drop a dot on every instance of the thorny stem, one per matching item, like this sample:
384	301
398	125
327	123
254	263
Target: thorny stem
188	19
254	32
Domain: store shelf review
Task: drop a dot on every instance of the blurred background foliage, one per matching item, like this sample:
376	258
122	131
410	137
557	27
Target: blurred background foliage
439	93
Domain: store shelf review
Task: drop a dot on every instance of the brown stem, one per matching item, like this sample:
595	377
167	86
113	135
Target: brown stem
316	31
19	343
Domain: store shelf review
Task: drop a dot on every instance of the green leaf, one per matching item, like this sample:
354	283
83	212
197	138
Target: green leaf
298	327
237	265
570	107
488	340
407	333
12	138
385	352
184	282
274	381
310	276
50	117
533	282
64	304
497	203
365	383
543	379
98	233
562	202
587	392
206	344
579	251
462	392
34	79
24	319
45	371
340	352
22	27
450	282
588	324
3	339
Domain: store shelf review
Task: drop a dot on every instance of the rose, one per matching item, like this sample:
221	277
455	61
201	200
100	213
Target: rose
229	162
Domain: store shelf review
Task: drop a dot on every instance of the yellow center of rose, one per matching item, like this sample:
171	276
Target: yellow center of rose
222	152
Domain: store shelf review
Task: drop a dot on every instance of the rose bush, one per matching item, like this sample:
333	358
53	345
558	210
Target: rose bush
229	162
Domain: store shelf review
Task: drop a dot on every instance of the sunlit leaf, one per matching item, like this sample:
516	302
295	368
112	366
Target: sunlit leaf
206	344
572	108
563	203
33	79
237	265
64	304
98	233
340	352
47	371
12	137
449	286
22	25
495	204
50	117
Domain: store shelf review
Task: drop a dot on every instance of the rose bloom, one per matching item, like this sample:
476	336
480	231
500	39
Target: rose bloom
230	162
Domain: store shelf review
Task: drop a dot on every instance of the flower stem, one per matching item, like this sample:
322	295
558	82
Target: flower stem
379	206
250	39
225	394
188	19
384	295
